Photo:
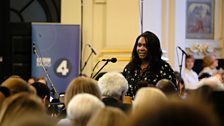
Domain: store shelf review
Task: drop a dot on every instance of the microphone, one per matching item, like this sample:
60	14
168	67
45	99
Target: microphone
92	49
182	50
113	60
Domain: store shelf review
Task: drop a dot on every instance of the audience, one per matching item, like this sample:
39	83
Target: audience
43	92
33	120
19	107
216	82
80	108
189	76
175	113
108	116
167	87
210	64
31	80
81	84
42	80
16	84
113	87
149	97
85	106
13	85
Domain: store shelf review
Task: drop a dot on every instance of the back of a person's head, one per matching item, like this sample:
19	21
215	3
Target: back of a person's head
213	82
113	84
208	60
16	85
148	96
82	106
33	120
31	80
176	113
41	89
42	80
19	106
166	86
108	116
203	92
79	85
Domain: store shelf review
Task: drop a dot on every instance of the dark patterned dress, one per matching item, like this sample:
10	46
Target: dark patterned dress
137	79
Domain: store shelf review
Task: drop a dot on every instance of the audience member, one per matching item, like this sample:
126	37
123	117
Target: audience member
216	82
167	87
203	92
33	120
82	84
210	64
42	80
176	113
113	87
148	97
189	76
43	92
12	85
108	116
80	108
31	80
16	84
19	107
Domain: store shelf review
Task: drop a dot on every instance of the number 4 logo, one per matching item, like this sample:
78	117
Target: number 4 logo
62	67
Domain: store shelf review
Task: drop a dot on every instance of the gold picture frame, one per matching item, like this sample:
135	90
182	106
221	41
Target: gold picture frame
200	19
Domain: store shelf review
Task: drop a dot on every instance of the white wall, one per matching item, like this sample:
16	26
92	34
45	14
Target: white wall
167	19
214	45
152	16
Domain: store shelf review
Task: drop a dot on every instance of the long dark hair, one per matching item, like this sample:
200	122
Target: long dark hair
154	50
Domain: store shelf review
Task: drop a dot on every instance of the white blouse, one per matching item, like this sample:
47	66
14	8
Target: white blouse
190	78
208	70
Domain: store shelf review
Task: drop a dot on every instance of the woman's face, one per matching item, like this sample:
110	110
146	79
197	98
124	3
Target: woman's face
189	63
141	48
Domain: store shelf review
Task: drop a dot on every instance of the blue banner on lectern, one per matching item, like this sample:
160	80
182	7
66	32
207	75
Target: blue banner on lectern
55	53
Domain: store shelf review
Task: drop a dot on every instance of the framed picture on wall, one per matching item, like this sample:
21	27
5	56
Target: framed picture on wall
200	19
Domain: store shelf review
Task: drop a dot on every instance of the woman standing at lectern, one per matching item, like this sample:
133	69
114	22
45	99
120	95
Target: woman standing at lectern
146	67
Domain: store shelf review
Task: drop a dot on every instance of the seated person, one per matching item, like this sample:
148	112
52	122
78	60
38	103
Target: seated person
210	64
167	87
80	109
189	76
216	82
113	87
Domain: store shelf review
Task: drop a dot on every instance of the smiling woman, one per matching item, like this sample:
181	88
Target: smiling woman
146	67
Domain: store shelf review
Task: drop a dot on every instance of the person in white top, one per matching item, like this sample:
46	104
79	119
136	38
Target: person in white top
216	82
189	76
209	65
